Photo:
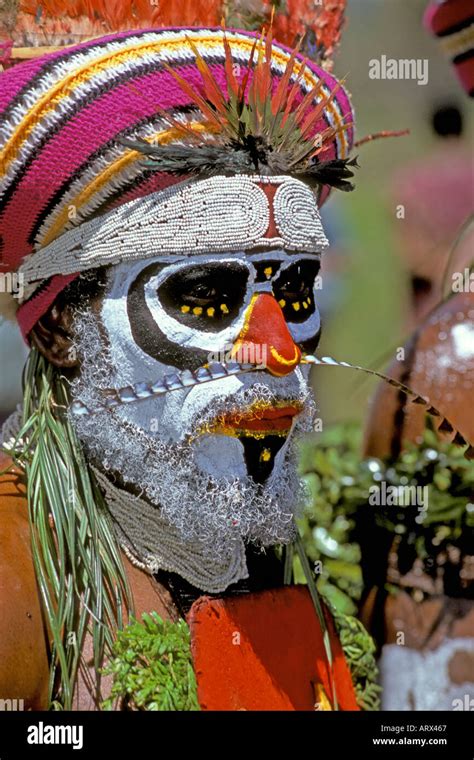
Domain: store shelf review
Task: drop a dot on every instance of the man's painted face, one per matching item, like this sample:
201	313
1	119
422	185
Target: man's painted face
217	459
180	315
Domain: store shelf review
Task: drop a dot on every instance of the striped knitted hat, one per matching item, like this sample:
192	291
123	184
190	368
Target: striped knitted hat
66	117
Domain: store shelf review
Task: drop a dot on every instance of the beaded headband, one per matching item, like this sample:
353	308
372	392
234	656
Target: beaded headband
218	214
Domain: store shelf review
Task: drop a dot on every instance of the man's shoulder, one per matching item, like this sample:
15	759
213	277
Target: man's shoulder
23	659
14	524
12	481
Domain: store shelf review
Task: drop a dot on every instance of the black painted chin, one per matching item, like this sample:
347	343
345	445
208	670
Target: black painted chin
260	454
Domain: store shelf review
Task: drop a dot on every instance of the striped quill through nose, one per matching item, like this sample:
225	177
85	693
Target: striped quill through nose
445	426
216	371
173	382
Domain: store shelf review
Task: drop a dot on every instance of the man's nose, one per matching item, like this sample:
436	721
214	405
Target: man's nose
265	338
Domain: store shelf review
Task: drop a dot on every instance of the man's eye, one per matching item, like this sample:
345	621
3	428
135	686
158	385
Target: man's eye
294	290
200	294
213	292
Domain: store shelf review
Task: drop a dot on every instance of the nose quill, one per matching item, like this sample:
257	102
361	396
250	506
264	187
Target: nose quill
176	381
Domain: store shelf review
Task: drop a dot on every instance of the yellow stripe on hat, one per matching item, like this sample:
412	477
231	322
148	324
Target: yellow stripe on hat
458	42
129	157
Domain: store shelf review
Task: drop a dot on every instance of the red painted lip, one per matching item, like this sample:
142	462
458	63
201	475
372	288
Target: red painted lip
262	420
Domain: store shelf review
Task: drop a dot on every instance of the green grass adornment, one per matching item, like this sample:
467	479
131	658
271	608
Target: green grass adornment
152	667
78	564
331	469
359	650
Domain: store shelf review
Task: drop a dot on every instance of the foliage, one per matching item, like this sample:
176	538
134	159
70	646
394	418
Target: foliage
331	469
359	651
152	667
449	477
340	519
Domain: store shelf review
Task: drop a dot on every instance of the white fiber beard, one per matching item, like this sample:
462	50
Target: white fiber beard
216	513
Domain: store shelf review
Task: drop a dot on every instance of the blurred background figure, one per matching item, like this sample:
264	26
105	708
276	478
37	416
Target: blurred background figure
419	598
420	590
451	21
419	609
436	197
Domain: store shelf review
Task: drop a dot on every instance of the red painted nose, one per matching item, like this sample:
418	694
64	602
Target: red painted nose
265	338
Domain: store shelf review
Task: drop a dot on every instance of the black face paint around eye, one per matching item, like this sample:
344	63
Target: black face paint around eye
294	290
148	334
208	297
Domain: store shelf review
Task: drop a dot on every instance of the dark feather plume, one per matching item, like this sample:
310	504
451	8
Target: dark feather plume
335	173
251	126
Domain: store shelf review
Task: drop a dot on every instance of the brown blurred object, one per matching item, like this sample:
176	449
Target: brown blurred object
415	625
439	364
426	623
428	609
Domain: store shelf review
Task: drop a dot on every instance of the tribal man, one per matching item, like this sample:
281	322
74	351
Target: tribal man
160	204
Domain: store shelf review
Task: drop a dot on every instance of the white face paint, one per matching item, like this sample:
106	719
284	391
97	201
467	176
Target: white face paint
174	416
189	451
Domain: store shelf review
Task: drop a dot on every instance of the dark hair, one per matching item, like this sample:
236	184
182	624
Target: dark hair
89	284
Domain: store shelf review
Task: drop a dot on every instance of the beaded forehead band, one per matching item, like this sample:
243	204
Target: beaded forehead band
219	214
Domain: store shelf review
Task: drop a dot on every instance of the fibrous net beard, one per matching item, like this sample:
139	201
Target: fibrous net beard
214	512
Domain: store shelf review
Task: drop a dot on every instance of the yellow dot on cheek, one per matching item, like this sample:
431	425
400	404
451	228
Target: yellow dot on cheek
296	305
197	311
211	311
185	309
224	309
282	303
